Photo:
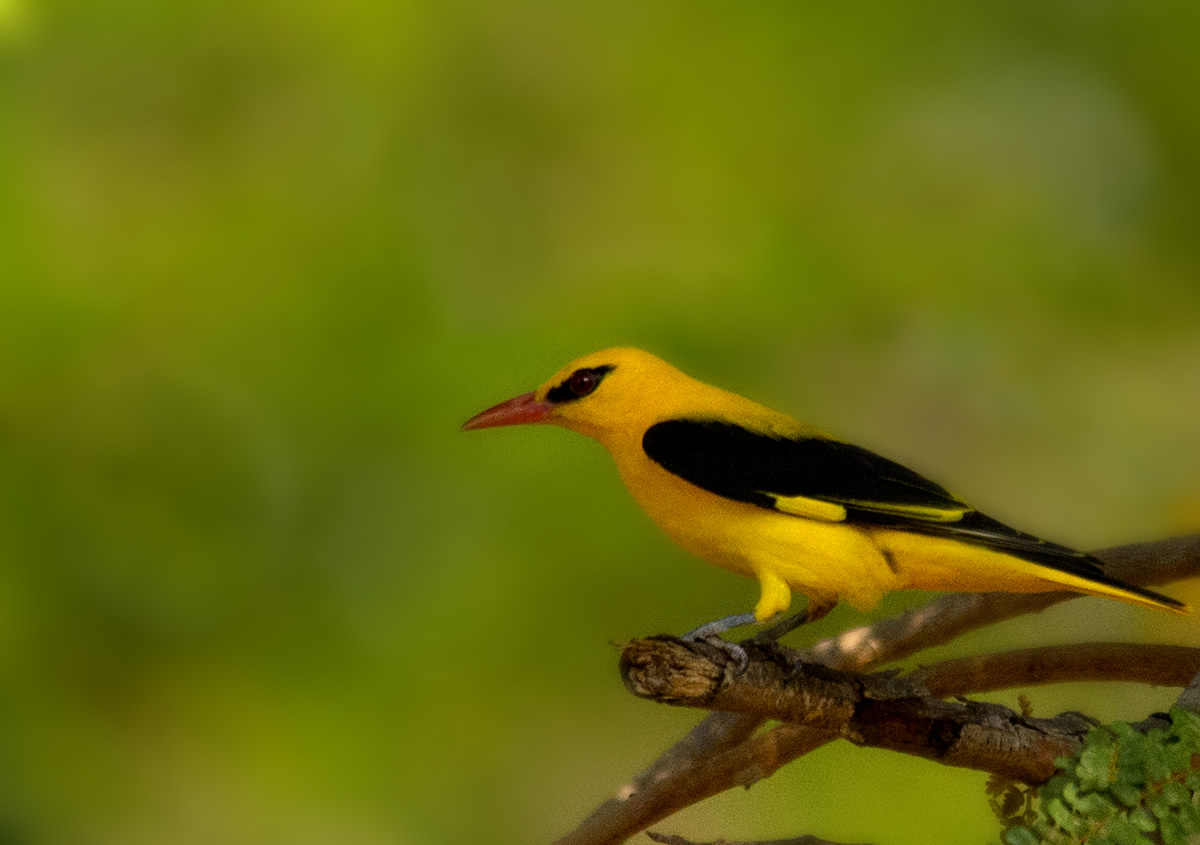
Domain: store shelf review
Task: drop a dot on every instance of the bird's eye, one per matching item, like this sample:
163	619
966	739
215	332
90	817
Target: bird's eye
583	382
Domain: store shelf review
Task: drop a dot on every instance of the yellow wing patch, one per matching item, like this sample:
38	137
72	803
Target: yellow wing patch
836	511
923	513
810	508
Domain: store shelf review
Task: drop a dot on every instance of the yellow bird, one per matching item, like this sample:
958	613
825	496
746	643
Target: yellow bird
763	494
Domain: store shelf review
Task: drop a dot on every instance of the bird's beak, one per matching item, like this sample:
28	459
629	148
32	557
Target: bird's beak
516	411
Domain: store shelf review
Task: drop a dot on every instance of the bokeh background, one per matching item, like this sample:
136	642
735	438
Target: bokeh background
259	260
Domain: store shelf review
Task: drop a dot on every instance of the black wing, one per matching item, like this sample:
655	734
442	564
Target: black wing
768	471
758	468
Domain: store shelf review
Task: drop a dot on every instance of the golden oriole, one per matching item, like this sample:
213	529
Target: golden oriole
766	495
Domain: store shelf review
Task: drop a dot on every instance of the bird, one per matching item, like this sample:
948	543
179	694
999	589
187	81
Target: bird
763	494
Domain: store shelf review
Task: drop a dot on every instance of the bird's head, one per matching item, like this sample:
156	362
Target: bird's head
601	395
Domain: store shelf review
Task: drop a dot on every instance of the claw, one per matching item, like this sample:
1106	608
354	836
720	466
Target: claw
732	650
710	633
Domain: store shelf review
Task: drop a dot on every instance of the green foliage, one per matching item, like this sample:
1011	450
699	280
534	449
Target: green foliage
1124	788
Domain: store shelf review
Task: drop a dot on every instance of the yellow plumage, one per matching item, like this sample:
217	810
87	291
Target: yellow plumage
765	495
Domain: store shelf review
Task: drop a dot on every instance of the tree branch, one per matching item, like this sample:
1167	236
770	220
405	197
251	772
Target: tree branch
679	840
1157	665
1189	699
725	750
898	713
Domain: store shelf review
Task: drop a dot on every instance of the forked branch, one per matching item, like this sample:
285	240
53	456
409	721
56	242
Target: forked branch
899	713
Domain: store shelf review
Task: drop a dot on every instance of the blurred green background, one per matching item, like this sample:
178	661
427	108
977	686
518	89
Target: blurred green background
258	261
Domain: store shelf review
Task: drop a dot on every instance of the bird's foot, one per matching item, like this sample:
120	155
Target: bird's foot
736	653
711	633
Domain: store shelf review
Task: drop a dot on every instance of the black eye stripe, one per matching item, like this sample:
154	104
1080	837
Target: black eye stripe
579	384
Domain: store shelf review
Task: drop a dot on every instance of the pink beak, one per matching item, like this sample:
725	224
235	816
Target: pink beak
516	411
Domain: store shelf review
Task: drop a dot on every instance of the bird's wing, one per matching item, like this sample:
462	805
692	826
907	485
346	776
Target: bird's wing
780	472
827	479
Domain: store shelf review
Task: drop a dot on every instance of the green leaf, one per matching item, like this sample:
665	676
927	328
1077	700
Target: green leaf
1176	754
1127	794
1157	767
1020	836
1157	804
1143	821
1131	755
1062	816
1095	764
1070	793
1189	814
1055	786
1121	831
1186	726
1124	788
1176	794
1173	831
1094	805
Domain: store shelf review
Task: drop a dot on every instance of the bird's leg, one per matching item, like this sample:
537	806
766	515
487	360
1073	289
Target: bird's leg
774	600
718	627
813	613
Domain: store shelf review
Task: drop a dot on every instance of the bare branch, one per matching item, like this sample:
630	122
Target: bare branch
1189	699
679	840
1157	665
879	711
